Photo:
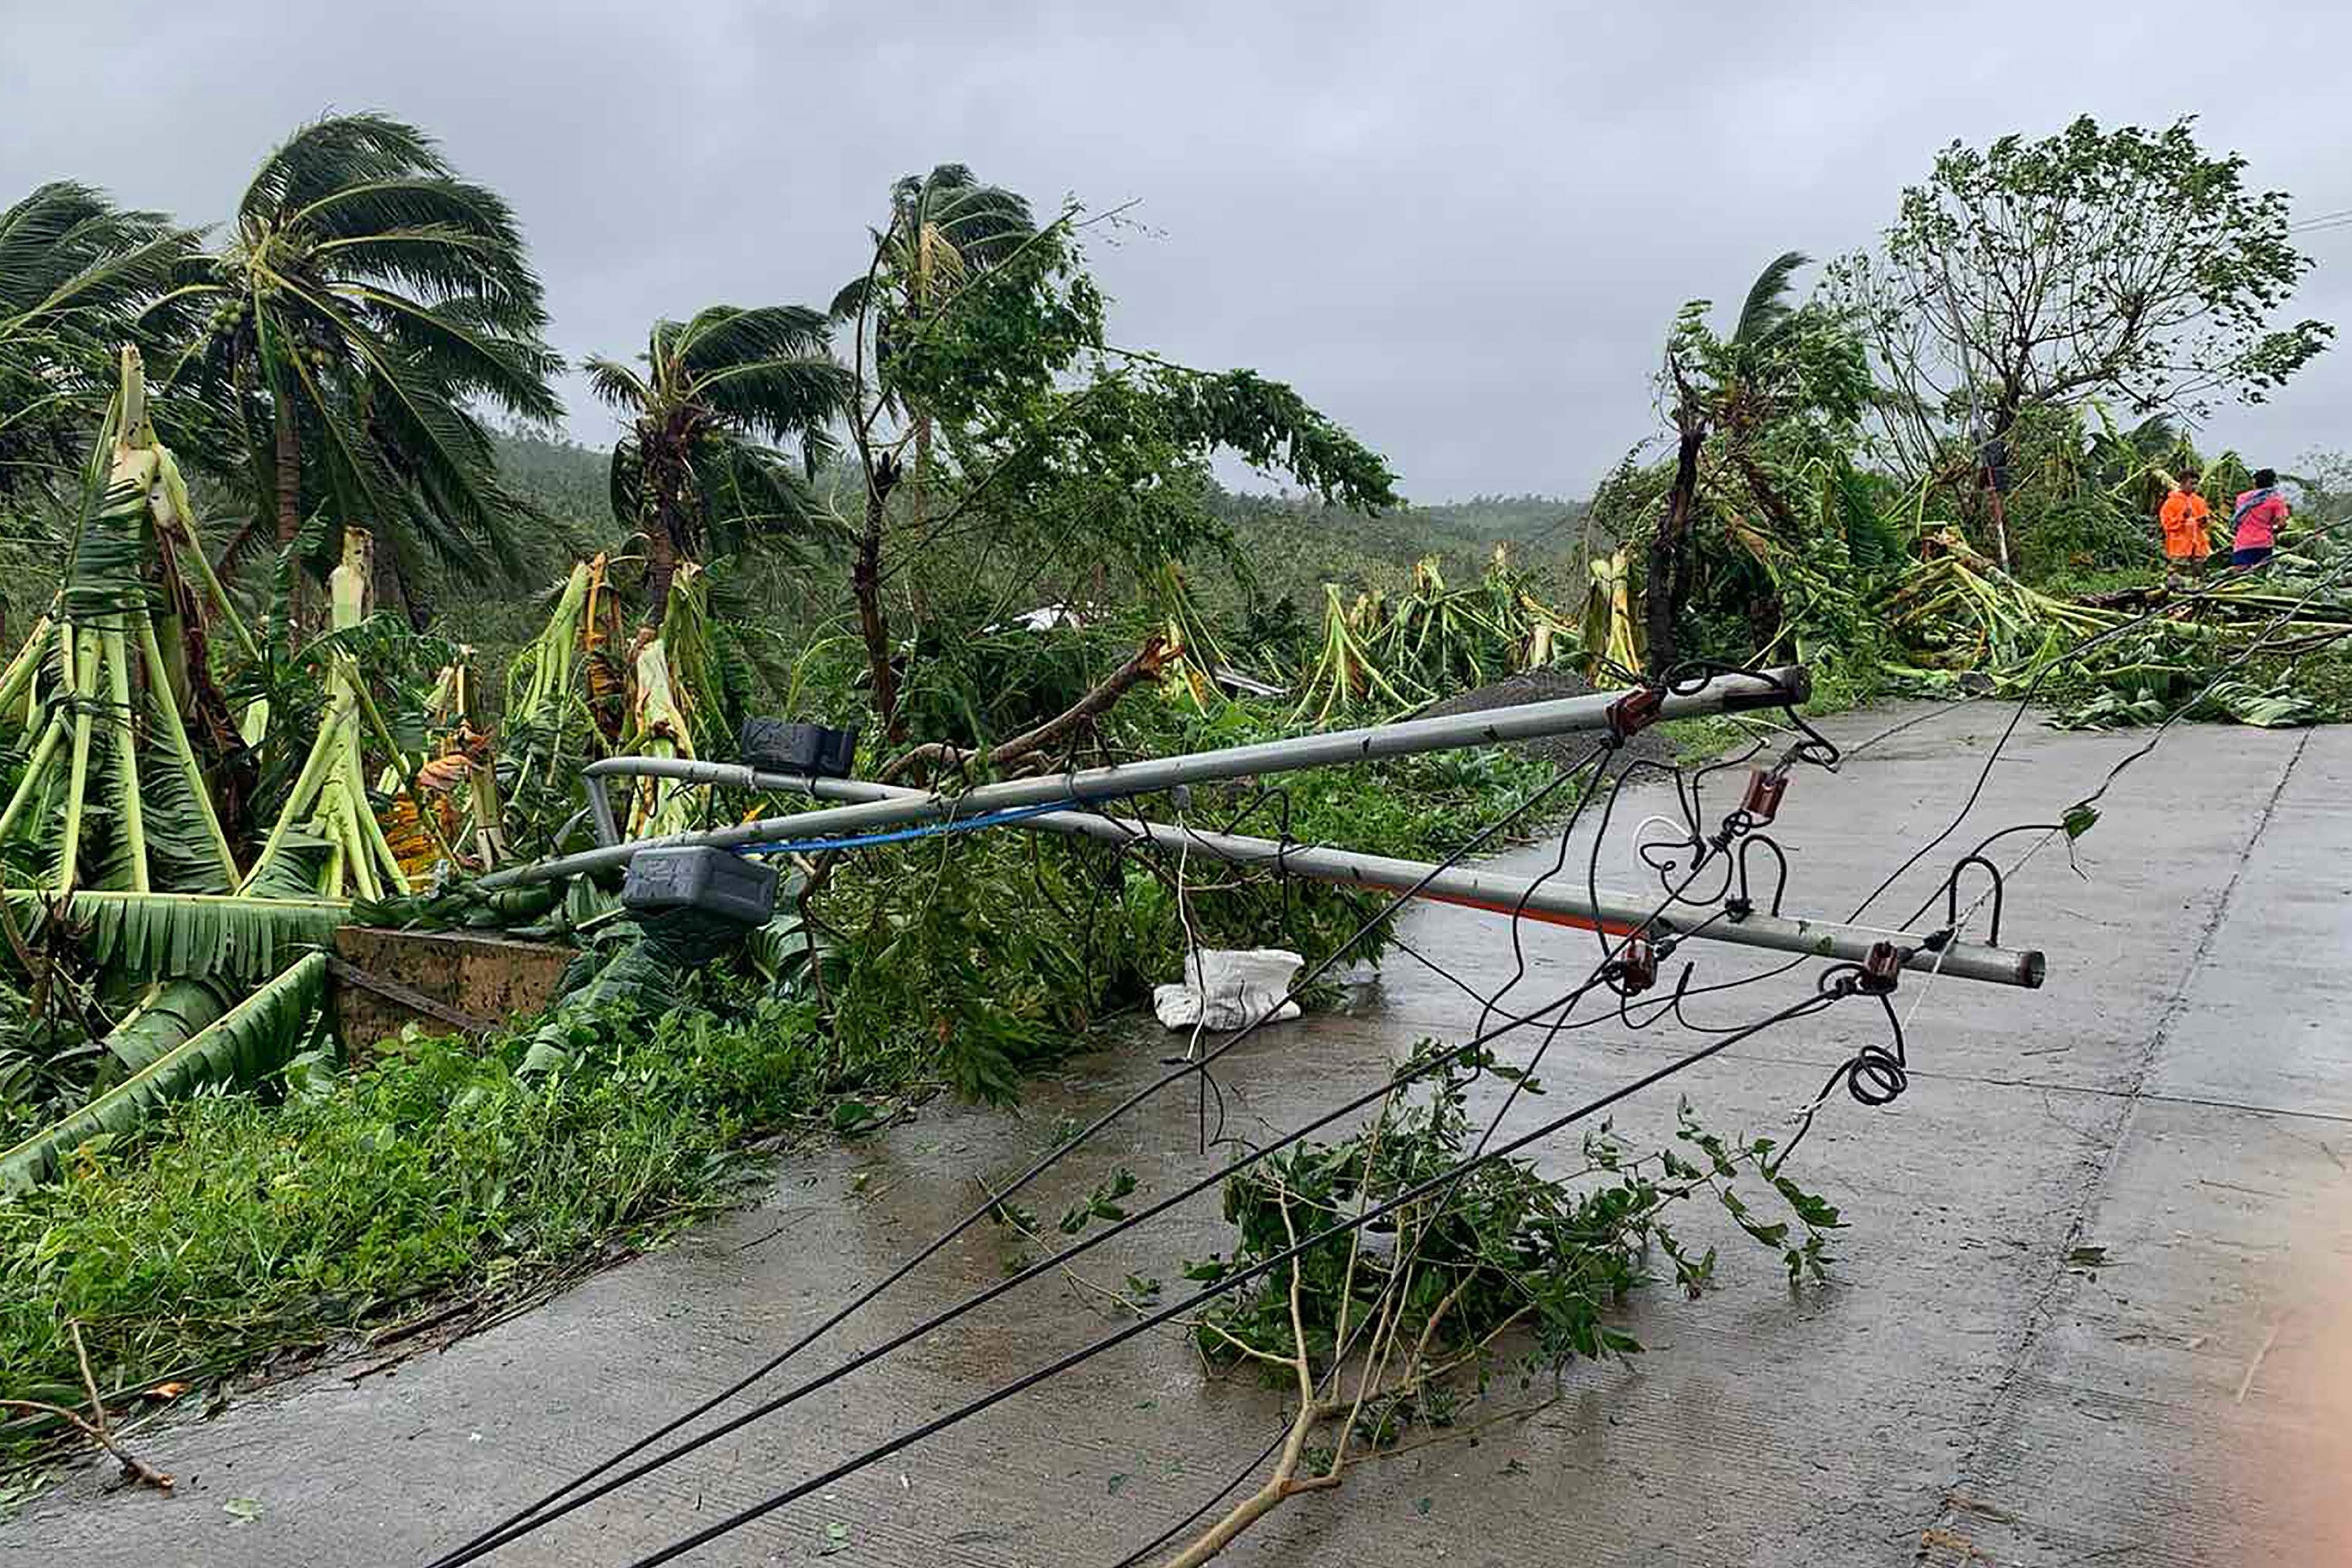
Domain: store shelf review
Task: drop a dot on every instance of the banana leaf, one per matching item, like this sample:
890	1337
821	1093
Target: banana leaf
188	935
643	976
173	1013
252	1040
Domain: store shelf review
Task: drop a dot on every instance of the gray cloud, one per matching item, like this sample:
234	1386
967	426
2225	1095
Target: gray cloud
1460	228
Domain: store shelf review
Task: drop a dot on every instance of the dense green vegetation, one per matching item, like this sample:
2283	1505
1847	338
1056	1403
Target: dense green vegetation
294	622
336	1202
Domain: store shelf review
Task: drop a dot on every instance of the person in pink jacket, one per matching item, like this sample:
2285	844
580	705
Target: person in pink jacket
2256	518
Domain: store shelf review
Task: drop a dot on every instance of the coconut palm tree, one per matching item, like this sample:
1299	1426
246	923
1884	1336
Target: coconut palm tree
709	402
365	300
76	273
945	227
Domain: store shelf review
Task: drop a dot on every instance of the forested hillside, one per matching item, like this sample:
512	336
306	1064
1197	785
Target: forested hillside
1280	544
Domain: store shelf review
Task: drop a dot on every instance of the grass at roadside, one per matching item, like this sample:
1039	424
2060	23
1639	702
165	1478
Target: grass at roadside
241	1227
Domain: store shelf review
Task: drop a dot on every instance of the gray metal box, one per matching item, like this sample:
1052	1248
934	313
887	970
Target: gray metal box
703	879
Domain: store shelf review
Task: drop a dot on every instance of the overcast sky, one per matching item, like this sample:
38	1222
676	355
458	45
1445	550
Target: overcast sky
1460	228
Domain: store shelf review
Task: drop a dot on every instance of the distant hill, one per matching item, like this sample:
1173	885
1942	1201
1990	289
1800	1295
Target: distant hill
1293	545
567	481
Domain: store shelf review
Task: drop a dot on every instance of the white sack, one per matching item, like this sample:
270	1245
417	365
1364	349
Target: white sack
1238	988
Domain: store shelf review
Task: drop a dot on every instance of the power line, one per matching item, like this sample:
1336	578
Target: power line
1444	1181
503	1535
526	1520
524	1524
1875	1075
1602	973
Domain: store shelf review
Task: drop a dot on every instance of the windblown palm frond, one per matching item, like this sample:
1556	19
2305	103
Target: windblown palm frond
616	384
257	1037
949	221
1767	307
70	256
366	301
699	468
76	276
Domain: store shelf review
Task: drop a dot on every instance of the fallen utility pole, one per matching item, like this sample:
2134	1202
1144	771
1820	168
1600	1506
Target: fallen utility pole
1723	694
1616	913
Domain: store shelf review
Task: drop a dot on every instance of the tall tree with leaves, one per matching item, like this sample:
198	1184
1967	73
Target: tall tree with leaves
76	273
365	302
2127	264
709	404
946	255
946	229
1044	446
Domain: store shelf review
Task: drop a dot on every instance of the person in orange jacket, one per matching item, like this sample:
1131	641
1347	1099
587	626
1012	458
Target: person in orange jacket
2186	520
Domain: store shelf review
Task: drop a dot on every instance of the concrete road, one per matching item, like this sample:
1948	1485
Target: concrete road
2093	1306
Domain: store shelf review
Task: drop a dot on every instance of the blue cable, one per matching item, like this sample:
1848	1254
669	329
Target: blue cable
902	835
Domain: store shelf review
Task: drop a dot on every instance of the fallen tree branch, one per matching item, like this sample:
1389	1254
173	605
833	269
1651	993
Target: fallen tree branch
133	1468
1146	665
1284	1483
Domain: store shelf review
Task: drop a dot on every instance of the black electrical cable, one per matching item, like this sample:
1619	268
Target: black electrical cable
514	1531
1413	1071
1443	1179
1525	1076
1874	1076
1418	1069
1339	1359
2033	687
1697	839
1475	843
472	1548
1519	911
